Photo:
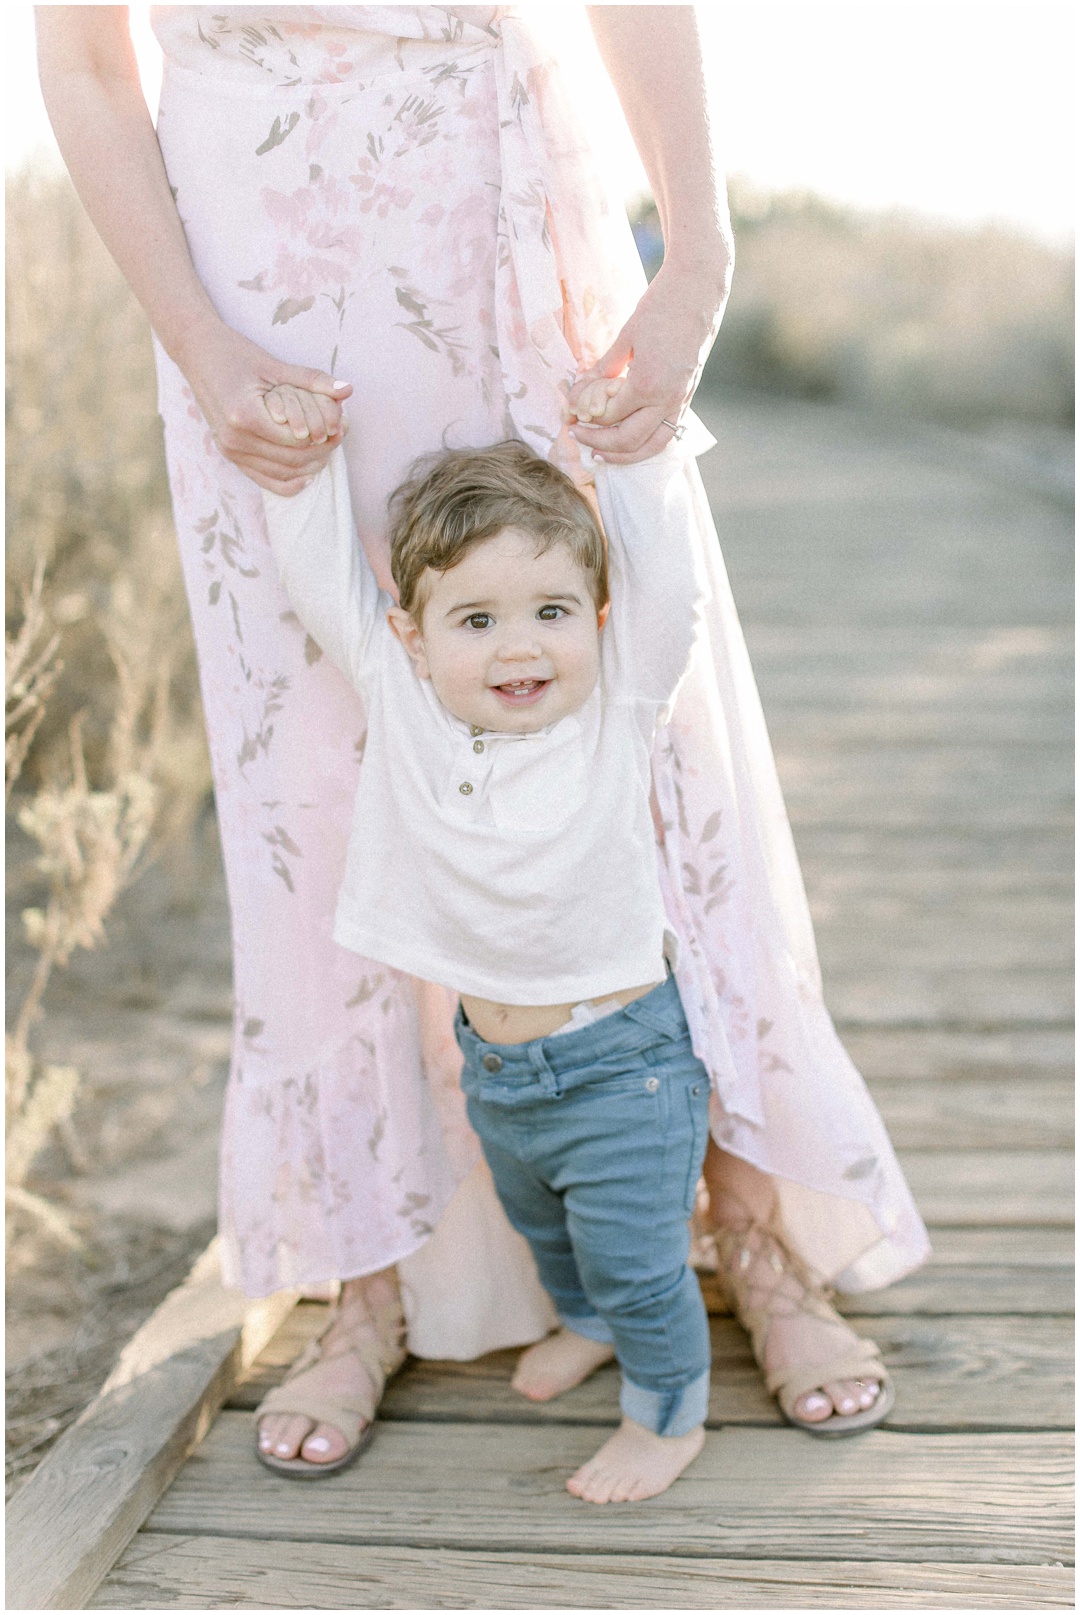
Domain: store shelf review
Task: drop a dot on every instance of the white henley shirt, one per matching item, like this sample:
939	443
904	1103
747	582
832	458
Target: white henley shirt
517	868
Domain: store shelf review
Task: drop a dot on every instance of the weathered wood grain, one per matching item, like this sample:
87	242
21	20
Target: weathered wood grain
92	1492
986	1113
964	786
981	1290
1022	1247
761	1493
911	995
216	1572
989	1373
940	931
990	1187
939	1291
943	1053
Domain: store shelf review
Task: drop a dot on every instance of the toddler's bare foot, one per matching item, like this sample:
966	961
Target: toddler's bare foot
635	1464
557	1364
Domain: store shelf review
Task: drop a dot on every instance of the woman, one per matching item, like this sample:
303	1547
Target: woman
400	195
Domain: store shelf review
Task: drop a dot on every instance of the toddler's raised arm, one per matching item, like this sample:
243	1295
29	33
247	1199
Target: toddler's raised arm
654	565
324	569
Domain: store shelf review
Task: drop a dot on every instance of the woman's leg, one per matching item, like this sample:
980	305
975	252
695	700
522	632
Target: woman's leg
739	1197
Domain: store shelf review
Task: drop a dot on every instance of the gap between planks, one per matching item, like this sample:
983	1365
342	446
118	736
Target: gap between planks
951	1376
162	1572
763	1493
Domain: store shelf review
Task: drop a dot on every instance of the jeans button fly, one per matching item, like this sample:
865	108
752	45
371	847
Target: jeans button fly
492	1062
651	1084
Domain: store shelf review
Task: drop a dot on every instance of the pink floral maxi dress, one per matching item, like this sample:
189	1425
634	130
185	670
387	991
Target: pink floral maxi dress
400	196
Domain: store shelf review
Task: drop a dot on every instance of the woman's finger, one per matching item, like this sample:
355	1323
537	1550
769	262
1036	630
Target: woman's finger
654	444
273	478
626	437
266	465
290	455
311	381
285	490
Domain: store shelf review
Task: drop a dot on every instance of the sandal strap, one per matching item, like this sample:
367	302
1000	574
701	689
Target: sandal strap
380	1354
863	1361
742	1250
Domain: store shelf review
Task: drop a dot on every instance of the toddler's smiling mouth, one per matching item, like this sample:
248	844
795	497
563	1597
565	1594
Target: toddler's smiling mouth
521	692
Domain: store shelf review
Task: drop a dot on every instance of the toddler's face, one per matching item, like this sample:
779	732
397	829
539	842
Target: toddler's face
509	638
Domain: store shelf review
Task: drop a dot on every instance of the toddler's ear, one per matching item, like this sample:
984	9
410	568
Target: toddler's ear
408	631
602	614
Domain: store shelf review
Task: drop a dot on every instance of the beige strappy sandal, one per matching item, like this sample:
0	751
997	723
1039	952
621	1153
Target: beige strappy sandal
381	1354
755	1302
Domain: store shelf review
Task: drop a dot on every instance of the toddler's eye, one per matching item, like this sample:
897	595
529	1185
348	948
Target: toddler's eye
479	619
550	613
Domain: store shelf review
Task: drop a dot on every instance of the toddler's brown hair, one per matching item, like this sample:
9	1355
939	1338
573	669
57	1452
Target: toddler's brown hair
453	500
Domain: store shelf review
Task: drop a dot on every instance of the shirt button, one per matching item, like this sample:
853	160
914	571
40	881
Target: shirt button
492	1062
475	729
651	1084
465	788
478	746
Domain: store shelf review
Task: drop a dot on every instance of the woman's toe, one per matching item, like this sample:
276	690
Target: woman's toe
814	1407
324	1445
845	1396
281	1434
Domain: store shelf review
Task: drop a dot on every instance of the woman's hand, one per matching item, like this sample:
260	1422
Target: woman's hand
277	422
665	343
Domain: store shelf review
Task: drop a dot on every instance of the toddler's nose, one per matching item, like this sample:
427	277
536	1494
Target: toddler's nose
519	647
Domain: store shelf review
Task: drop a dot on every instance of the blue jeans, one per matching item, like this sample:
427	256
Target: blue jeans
595	1139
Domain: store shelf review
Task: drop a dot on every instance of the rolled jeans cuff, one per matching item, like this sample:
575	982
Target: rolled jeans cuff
667	1413
592	1327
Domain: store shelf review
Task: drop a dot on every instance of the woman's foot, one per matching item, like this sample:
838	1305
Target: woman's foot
634	1464
797	1334
338	1372
802	1327
557	1364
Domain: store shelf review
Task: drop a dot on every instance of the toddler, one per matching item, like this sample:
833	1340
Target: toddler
503	845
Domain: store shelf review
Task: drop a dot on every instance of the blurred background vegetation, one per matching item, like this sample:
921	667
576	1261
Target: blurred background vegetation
890	311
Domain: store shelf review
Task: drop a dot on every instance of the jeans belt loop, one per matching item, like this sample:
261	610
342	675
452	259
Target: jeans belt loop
549	1082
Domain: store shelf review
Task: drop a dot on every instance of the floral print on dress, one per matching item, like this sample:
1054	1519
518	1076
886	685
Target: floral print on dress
402	196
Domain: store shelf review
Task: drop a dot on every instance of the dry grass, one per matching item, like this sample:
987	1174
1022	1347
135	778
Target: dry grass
896	313
103	743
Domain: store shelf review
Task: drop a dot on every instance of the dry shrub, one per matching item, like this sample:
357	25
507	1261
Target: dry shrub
106	747
86	486
894	311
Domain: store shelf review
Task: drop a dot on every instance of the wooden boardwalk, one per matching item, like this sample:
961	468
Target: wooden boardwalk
905	599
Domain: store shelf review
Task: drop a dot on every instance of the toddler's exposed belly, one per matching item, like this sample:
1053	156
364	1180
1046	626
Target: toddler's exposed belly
523	1023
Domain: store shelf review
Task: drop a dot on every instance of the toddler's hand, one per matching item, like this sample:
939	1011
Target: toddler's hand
596	400
309	416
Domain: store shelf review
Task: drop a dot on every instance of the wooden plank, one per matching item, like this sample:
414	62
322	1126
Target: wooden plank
910	995
1001	1499
946	1291
949	1291
216	1572
942	1053
874	930
1027	1247
990	1373
968	787
989	1187
987	1113
91	1493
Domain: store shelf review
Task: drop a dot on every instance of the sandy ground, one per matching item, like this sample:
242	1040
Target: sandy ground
955	532
146	1021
